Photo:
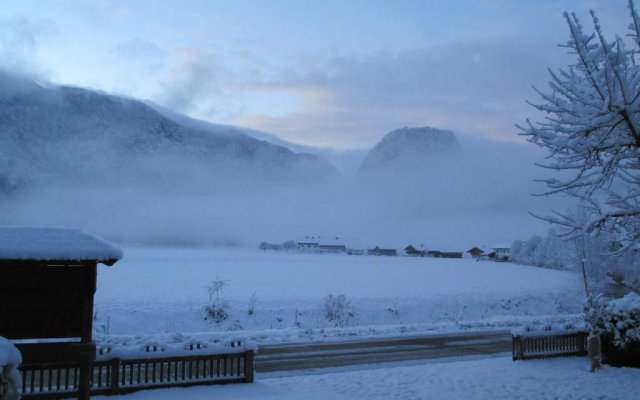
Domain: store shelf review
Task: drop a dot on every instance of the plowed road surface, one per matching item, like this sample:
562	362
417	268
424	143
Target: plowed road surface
321	355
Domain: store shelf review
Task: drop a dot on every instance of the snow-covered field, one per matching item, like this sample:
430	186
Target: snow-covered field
489	378
163	291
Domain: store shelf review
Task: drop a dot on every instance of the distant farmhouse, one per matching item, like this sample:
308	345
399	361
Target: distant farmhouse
309	246
332	248
413	252
503	252
333	245
315	244
497	253
377	251
475	252
444	254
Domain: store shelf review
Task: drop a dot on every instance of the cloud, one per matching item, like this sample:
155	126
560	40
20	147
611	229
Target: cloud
200	84
140	50
474	80
468	87
20	39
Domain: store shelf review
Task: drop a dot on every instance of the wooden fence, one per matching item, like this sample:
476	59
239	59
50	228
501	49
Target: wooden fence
4	385
119	376
565	345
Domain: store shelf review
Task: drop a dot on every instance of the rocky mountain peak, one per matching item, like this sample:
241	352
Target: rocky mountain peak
410	147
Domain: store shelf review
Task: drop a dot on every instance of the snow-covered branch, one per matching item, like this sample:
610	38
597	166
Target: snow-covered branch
592	131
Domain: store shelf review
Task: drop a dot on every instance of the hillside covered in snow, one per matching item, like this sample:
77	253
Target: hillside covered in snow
71	136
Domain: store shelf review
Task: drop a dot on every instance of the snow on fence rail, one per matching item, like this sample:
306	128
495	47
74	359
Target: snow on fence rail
10	358
529	346
119	376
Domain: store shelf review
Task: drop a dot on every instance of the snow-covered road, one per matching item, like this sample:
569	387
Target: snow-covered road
346	353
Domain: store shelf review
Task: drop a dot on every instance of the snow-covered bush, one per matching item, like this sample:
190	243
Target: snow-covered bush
218	308
597	255
234	325
252	304
217	311
264	246
616	320
550	251
10	359
338	310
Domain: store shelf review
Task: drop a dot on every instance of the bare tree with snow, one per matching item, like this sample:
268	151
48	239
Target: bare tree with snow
592	131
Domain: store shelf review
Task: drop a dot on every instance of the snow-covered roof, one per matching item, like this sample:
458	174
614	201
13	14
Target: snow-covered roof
59	244
9	355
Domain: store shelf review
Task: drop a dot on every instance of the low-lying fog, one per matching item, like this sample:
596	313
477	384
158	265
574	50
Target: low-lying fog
70	157
482	197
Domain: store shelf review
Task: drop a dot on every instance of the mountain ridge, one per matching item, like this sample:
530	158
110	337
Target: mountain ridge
73	134
411	147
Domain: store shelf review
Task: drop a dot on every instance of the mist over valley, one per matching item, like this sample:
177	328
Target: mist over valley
140	174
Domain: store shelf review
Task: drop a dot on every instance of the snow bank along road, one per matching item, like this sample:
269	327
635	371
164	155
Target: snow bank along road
321	355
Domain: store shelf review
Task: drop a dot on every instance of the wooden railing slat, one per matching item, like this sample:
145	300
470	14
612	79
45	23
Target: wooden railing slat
41	381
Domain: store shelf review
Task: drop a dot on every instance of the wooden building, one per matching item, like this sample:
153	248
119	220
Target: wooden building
502	252
47	285
308	246
413	252
443	254
433	253
475	252
377	251
332	248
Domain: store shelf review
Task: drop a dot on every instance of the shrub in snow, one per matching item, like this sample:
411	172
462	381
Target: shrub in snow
234	325
338	310
617	321
598	256
252	304
10	359
289	245
217	309
264	246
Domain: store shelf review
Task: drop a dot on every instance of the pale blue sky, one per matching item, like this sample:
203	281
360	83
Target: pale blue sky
331	73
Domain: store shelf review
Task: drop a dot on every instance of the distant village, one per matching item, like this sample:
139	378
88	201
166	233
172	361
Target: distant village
332	245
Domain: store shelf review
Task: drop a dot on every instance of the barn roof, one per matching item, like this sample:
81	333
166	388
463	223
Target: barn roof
55	244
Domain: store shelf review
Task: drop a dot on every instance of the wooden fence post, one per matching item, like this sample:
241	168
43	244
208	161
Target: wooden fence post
517	343
4	384
248	366
582	348
114	385
84	380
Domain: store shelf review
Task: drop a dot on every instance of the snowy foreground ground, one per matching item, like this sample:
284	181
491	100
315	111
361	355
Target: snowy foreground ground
489	378
162	292
158	295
